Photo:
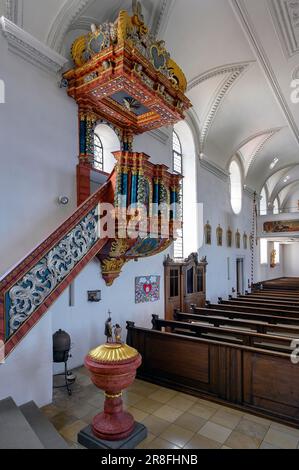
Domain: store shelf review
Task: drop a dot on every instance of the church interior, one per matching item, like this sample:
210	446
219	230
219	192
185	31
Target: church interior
149	288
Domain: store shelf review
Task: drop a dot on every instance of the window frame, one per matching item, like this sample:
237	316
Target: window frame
277	252
98	164
178	248
264	256
264	210
240	187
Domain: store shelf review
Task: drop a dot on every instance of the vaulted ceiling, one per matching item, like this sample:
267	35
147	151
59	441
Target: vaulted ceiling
239	57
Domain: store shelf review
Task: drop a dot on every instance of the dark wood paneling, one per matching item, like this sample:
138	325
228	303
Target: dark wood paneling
179	358
265	383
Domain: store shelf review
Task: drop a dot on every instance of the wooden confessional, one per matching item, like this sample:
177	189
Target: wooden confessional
185	284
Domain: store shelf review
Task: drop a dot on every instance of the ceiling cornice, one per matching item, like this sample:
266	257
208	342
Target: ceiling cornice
250	192
29	48
214	169
244	19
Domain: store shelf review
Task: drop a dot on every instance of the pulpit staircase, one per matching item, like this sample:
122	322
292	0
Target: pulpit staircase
29	289
34	431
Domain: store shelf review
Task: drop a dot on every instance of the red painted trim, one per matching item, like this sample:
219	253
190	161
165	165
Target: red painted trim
36	316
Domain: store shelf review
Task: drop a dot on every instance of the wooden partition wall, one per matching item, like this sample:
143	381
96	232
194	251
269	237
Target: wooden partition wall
185	284
260	381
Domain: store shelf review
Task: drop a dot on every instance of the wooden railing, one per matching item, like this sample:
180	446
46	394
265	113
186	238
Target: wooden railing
28	290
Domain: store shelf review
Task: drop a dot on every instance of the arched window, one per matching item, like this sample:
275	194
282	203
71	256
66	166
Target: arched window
177	155
276	207
235	187
106	142
178	169
98	162
263	202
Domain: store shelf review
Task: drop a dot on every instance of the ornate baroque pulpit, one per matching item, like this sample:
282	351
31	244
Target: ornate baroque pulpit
124	77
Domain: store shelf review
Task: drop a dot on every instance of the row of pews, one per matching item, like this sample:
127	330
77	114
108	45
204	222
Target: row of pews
240	351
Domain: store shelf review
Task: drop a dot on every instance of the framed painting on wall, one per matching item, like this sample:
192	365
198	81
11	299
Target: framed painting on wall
208	234
245	241
229	237
238	239
219	235
147	289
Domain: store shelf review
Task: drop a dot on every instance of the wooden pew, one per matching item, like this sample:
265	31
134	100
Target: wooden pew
287	284
223	310
219	319
270	310
260	304
273	299
230	335
250	379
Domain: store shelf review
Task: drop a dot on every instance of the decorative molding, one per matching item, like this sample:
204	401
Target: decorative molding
83	22
267	136
160	135
285	15
221	70
295	74
217	101
243	16
11	10
31	49
214	169
67	15
160	22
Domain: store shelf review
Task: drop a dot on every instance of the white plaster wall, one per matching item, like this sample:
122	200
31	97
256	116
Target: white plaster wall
27	372
214	193
39	148
291	203
264	272
291	260
85	321
158	151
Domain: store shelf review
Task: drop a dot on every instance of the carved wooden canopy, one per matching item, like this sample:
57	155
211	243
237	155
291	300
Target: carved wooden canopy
123	74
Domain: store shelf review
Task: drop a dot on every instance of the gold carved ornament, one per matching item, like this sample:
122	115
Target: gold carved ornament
124	26
112	265
113	353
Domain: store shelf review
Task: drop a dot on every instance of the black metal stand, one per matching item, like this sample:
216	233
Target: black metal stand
67	384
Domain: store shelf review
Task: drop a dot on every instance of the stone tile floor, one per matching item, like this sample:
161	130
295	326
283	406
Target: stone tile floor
174	420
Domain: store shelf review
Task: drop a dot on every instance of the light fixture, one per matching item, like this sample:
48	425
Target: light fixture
63	200
274	163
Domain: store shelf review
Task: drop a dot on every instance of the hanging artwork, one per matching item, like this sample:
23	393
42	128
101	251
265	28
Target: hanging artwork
238	239
229	237
208	234
245	241
219	235
147	289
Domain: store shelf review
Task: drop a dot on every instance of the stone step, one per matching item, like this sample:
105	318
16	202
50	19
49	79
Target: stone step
45	430
15	431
